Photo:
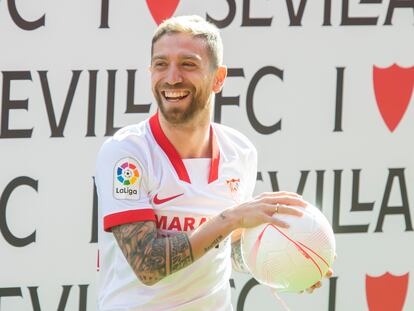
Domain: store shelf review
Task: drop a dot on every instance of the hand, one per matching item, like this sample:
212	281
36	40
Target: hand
261	209
319	283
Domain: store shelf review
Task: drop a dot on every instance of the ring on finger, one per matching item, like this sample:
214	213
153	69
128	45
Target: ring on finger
277	208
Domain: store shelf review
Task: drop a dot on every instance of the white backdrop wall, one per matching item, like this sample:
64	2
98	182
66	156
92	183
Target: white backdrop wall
323	89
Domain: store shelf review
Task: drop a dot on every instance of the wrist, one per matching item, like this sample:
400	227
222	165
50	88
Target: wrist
230	216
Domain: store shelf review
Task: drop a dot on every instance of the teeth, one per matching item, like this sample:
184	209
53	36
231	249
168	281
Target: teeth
175	94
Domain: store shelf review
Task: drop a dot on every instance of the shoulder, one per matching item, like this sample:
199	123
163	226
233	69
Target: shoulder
230	138
131	142
128	139
131	134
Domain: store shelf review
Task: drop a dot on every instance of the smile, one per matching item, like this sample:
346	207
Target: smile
175	95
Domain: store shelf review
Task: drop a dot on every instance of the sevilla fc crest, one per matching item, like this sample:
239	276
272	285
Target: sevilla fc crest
393	88
386	292
234	184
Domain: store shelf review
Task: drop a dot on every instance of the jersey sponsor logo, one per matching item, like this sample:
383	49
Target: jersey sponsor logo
156	200
127	179
176	223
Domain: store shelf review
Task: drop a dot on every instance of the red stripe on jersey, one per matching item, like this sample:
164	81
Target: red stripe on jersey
215	157
169	149
175	158
126	217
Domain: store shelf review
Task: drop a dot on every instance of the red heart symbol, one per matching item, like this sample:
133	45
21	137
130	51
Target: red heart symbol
162	9
393	87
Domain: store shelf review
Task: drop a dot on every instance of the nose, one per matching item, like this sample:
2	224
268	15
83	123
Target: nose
173	75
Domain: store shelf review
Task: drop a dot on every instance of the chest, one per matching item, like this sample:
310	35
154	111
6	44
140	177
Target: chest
183	206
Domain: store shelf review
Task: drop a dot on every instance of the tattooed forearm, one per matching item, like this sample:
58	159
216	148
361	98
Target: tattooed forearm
181	253
146	256
214	243
150	257
236	257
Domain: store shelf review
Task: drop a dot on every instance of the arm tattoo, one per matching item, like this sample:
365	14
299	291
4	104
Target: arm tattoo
150	257
214	243
237	258
181	253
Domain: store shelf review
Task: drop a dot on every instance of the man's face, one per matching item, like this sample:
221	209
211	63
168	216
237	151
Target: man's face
181	77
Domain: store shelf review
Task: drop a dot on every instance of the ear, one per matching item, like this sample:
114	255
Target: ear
221	75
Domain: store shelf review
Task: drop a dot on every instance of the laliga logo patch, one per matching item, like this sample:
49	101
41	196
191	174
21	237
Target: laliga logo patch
127	179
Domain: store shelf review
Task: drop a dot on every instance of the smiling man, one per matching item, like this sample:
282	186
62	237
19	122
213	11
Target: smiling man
174	188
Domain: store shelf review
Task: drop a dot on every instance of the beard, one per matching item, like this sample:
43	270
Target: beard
180	115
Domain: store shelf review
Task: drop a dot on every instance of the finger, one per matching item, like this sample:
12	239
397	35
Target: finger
287	210
276	222
329	273
317	285
280	194
313	287
275	209
285	200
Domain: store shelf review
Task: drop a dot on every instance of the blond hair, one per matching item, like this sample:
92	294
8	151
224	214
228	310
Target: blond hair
198	27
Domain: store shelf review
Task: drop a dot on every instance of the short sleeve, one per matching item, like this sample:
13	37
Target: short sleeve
122	183
251	173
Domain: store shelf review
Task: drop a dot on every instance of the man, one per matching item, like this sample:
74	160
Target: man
172	189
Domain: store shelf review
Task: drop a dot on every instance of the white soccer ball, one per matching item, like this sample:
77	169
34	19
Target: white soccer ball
293	259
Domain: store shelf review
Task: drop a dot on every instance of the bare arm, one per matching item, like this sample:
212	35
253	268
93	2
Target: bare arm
154	258
237	258
150	257
237	261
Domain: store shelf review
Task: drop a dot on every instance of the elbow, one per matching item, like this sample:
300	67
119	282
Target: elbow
149	283
148	280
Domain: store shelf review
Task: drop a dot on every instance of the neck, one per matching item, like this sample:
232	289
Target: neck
191	140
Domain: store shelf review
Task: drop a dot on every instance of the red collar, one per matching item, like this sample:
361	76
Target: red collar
175	158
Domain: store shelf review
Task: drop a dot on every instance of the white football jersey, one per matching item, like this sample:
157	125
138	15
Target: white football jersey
141	177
